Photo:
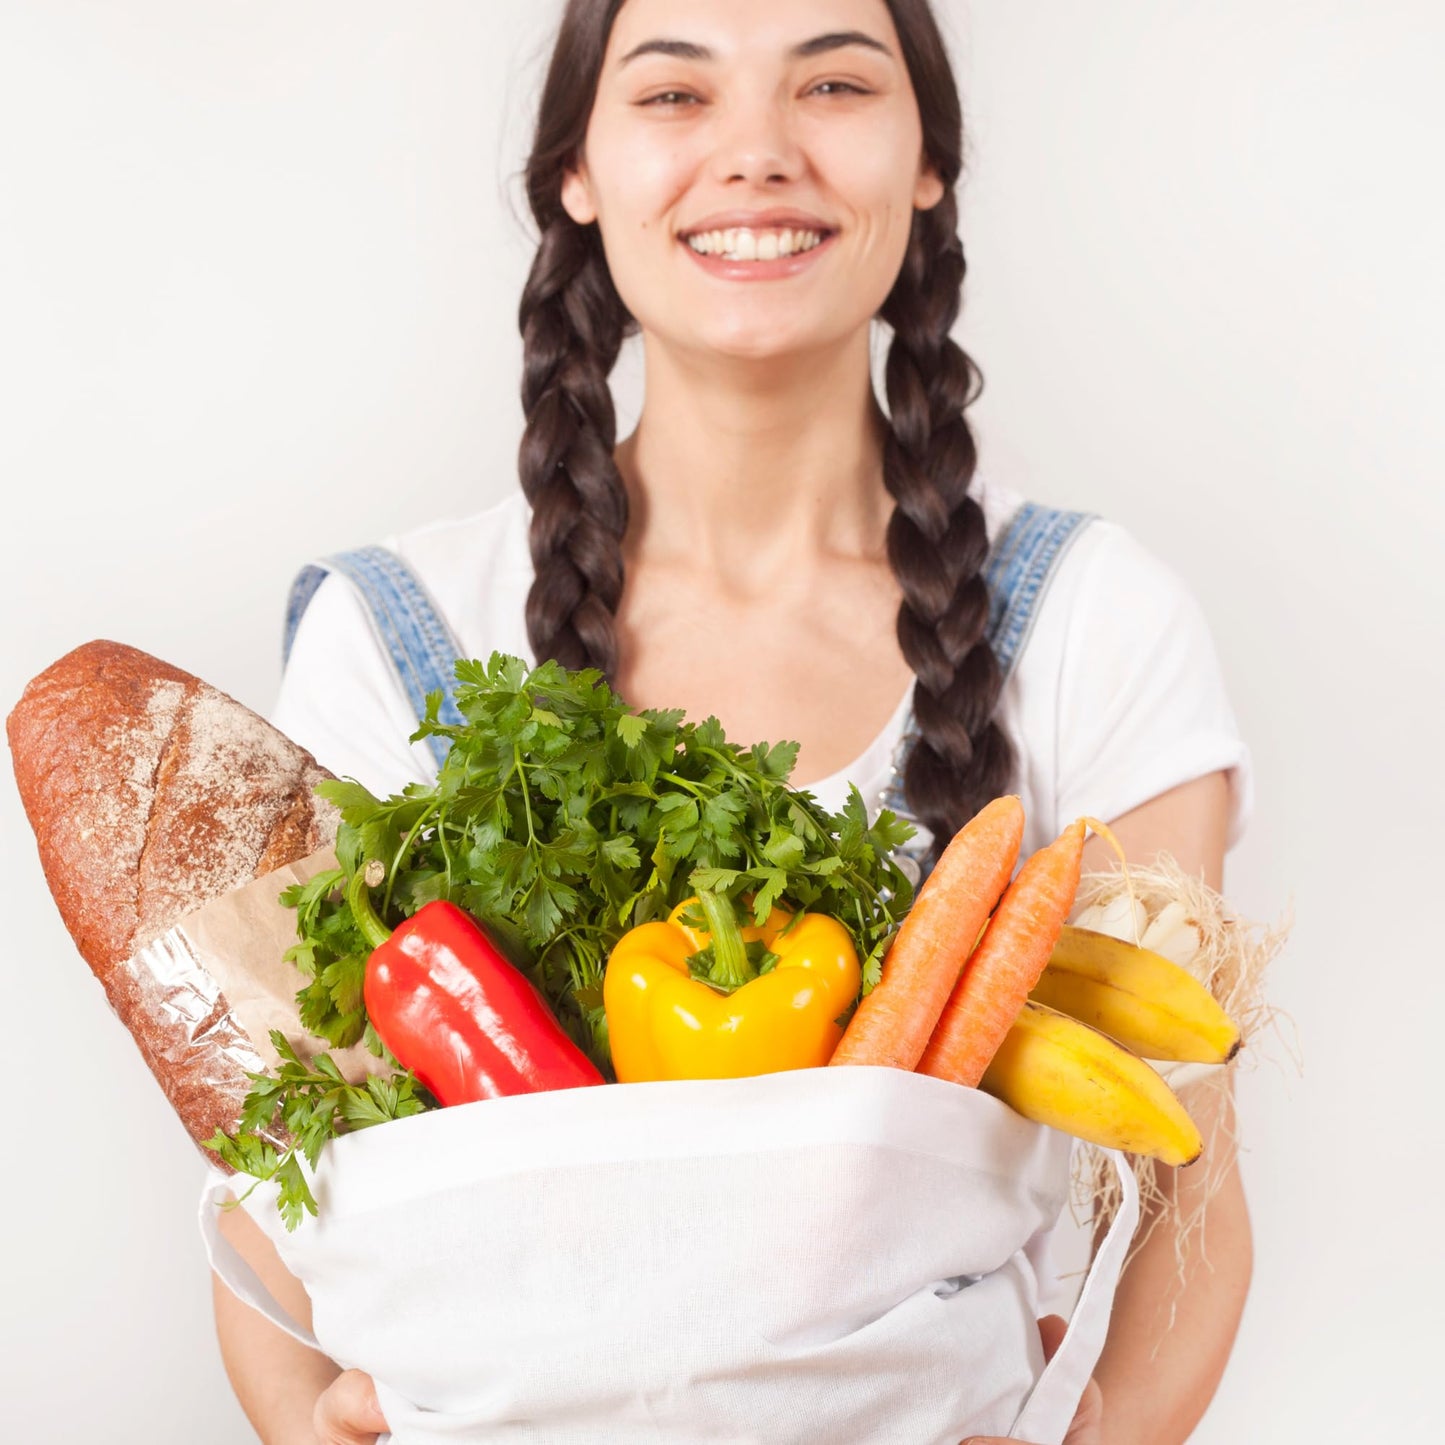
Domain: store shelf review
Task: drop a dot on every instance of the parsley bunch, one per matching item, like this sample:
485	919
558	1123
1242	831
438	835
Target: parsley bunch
559	820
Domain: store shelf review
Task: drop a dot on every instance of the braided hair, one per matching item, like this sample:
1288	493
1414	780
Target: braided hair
573	324
937	543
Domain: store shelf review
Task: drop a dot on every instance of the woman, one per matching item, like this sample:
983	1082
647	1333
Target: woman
750	185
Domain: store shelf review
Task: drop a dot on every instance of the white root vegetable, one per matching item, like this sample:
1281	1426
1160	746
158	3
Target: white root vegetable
1173	934
1119	917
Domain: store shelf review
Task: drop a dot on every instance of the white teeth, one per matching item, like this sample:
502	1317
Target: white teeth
739	244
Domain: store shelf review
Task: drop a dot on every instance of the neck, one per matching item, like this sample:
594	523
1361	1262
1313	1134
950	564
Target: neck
734	465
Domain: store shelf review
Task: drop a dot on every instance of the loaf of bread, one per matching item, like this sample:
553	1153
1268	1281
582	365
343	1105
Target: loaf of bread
151	794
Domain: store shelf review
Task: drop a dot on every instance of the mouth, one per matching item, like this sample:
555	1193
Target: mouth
749	246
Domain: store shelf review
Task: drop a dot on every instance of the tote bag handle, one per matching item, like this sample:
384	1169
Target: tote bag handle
1049	1409
234	1272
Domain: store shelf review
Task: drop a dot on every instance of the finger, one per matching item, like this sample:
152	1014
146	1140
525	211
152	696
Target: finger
347	1412
1052	1329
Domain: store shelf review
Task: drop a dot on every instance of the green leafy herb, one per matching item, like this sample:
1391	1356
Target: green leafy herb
296	1110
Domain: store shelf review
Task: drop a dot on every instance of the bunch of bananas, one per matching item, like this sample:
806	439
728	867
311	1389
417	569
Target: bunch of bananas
1075	1058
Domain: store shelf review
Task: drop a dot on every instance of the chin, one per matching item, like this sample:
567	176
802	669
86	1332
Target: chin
761	341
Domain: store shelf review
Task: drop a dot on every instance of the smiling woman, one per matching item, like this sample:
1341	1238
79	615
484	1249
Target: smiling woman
775	119
753	188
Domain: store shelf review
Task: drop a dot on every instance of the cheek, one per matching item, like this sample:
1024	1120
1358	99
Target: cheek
638	174
638	182
877	183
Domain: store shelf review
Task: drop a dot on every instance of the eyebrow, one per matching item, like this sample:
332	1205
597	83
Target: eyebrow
818	45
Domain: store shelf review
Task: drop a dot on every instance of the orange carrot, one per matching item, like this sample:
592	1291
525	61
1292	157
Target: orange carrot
893	1023
1007	962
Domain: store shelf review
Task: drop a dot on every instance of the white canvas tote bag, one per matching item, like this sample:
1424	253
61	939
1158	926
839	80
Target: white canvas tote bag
823	1255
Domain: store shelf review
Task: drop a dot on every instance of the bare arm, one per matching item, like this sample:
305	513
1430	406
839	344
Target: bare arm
277	1380
1158	1378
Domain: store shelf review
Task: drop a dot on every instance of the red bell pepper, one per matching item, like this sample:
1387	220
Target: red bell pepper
457	1013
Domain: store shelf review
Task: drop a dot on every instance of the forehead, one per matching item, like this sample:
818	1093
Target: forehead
739	27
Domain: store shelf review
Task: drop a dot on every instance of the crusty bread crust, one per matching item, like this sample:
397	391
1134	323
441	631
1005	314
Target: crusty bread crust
151	793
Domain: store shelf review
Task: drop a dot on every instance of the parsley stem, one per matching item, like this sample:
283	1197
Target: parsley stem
698	789
521	771
402	851
578	930
441	837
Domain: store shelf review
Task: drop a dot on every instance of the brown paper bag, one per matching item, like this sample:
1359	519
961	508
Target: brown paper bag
212	988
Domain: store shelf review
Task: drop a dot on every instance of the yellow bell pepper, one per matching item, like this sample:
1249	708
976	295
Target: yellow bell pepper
664	1023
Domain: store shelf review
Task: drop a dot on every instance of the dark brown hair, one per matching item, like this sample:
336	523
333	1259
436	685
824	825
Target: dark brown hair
573	325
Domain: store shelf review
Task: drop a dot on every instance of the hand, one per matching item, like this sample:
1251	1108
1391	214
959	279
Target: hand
1088	1425
347	1413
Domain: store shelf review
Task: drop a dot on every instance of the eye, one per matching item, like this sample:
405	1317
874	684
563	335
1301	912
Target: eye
841	87
669	98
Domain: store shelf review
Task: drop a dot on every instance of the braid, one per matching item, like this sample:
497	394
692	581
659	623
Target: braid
573	324
936	538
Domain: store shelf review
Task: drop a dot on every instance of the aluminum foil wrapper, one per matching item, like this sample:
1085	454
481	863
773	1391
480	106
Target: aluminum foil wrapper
201	1001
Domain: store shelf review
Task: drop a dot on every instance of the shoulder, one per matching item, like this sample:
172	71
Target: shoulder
495	537
477	569
1102	565
1119	692
341	695
1112	574
1112	609
999	503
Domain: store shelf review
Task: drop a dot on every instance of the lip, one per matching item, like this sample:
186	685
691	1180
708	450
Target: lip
776	218
777	270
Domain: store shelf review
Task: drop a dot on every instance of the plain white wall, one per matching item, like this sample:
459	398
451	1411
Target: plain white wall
258	280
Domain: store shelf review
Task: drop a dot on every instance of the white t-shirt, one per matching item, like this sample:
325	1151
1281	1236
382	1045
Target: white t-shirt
1116	697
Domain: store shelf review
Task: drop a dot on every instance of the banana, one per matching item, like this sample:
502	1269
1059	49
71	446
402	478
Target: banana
1149	1004
1057	1071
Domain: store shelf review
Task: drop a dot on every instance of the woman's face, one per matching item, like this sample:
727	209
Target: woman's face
728	130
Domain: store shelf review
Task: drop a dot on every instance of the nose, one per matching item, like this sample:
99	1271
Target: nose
756	143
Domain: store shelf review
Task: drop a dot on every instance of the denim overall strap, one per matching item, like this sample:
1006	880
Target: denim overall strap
1020	566
411	630
1019	569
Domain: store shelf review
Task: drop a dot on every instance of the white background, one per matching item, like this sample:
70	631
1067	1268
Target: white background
259	266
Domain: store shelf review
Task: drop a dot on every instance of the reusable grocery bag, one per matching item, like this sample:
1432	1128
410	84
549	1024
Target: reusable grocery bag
822	1255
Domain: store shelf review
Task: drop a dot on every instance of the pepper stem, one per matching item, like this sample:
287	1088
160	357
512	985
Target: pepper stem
731	968
358	896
